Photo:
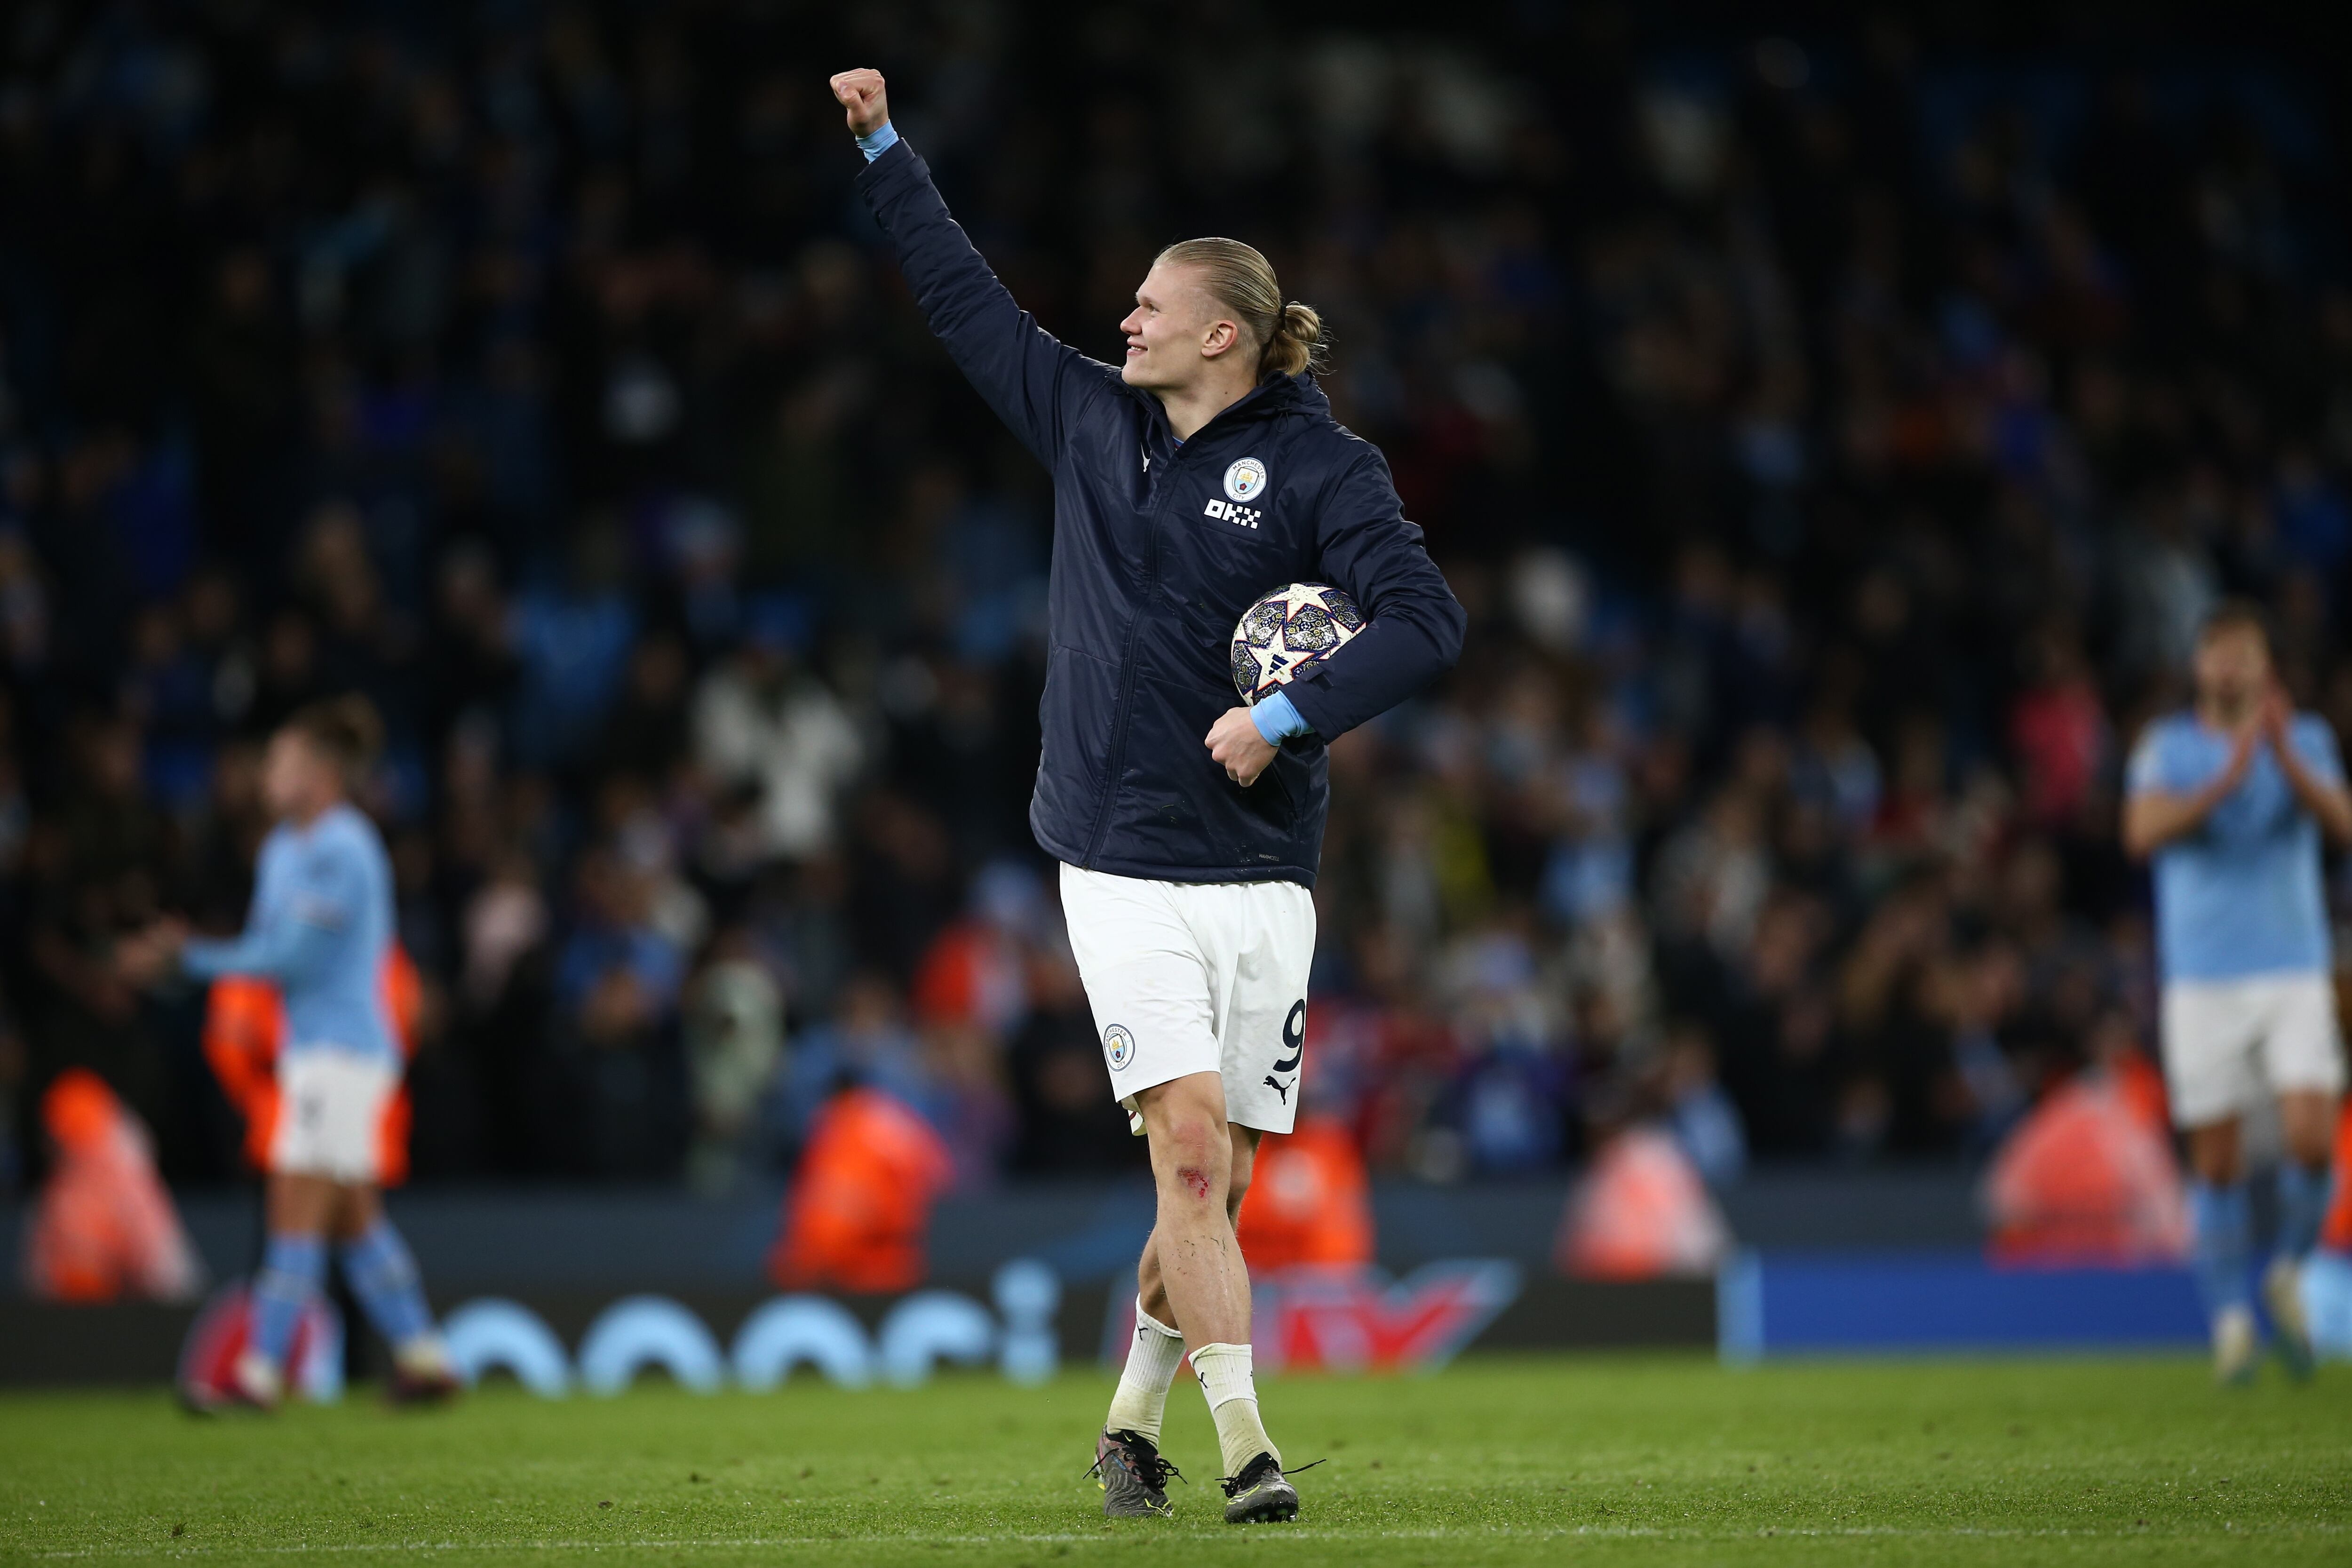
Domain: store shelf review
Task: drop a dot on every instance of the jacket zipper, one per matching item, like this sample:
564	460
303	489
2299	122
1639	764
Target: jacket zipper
1117	763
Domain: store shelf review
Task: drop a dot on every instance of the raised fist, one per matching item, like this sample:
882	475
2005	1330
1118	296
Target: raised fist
861	93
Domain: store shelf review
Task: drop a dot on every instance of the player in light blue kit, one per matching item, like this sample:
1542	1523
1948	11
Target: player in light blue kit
320	927
2231	800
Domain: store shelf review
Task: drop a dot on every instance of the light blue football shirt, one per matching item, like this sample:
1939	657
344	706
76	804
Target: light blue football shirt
2242	894
320	924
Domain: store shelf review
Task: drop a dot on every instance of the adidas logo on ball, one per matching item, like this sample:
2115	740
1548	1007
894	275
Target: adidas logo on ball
1288	630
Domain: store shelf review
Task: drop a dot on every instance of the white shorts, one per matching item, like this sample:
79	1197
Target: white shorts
1197	977
330	1114
2230	1044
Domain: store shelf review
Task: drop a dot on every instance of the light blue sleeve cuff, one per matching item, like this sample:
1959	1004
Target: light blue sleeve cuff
1278	718
878	140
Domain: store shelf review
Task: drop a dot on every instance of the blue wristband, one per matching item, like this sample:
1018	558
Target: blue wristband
878	140
1278	718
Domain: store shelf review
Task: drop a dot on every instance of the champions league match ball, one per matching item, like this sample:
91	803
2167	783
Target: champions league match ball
1287	630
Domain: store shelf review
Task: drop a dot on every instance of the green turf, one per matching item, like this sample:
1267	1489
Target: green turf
1655	1460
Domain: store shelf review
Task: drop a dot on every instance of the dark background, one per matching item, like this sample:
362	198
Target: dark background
1834	421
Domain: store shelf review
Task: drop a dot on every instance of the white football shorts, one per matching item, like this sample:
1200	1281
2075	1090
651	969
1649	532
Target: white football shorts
1189	977
330	1106
2228	1043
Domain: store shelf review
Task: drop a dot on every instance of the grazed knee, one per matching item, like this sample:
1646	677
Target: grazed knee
1188	1147
1194	1177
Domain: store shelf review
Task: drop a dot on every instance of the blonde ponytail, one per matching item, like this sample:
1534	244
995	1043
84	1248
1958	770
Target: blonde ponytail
1289	336
1297	343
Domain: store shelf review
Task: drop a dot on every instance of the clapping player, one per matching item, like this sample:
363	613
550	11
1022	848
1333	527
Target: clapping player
2231	799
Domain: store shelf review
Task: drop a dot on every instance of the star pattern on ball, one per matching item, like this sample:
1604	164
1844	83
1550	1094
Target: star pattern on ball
1267	649
1273	665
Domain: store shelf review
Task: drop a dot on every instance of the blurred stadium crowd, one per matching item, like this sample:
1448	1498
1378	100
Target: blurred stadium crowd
1836	445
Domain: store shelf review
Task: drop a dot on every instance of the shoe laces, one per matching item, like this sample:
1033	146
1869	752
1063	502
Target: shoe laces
1143	1457
1255	1472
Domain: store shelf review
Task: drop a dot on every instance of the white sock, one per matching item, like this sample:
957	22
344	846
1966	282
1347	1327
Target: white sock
1231	1389
260	1376
425	1355
1152	1358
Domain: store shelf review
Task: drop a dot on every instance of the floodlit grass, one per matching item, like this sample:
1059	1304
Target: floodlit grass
1517	1459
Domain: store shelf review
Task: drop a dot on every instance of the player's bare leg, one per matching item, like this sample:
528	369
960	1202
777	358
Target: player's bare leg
1128	1459
1206	1284
1151	1288
1203	1278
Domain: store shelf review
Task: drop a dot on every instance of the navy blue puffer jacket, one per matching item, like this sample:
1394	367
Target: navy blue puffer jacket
1156	552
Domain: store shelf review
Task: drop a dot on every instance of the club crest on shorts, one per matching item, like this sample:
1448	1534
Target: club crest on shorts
1118	1046
1244	479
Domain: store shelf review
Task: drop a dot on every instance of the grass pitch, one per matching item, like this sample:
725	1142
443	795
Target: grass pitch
1498	1460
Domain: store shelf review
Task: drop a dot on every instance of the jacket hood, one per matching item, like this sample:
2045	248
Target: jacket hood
1275	395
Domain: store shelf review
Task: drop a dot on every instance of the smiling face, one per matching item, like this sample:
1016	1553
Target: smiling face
1176	332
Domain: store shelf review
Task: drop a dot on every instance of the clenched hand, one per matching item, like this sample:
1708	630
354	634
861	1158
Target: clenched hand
861	92
1236	746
